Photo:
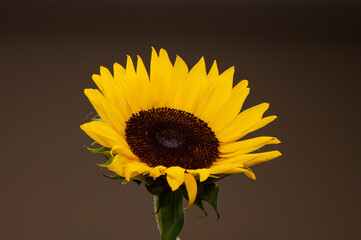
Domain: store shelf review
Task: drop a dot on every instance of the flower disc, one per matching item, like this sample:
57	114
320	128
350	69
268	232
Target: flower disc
171	137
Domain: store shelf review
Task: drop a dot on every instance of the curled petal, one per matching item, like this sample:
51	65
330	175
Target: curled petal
118	165
175	177
135	168
191	186
157	171
203	173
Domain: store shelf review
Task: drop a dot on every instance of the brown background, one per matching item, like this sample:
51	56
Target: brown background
301	56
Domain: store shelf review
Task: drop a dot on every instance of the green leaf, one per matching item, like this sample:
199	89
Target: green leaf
171	215
210	195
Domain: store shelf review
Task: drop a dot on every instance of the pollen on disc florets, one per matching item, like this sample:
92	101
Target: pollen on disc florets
171	137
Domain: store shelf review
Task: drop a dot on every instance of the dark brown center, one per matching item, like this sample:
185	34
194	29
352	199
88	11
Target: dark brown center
171	137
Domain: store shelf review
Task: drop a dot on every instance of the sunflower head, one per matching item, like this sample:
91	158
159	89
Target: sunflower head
176	128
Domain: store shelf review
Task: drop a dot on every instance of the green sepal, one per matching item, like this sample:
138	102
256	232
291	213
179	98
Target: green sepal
216	178
199	201
114	177
125	181
158	187
137	181
171	214
97	120
206	192
110	160
103	151
143	179
210	195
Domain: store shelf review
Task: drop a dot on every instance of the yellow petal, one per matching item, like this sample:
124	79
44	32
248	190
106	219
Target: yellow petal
202	172
130	70
263	158
179	76
120	83
248	160
96	99
245	120
160	74
218	95
118	165
213	74
202	106
231	169
113	89
98	81
239	87
119	73
157	171
197	82
229	111
175	177
106	136
166	69
226	168
124	150
203	101
250	174
107	82
191	186
109	87
143	86
135	168
102	133
246	146
131	86
107	111
263	122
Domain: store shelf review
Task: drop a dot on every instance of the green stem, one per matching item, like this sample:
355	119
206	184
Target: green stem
158	215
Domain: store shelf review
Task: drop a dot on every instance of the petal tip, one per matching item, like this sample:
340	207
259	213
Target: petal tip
154	51
163	51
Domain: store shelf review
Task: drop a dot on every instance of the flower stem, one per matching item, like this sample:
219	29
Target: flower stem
158	214
157	211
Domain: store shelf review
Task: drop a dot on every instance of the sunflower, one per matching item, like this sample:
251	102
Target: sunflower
179	124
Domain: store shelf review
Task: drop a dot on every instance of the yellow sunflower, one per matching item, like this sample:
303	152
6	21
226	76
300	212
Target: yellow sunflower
178	123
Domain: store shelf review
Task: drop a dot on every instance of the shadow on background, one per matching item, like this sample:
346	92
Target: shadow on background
302	57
